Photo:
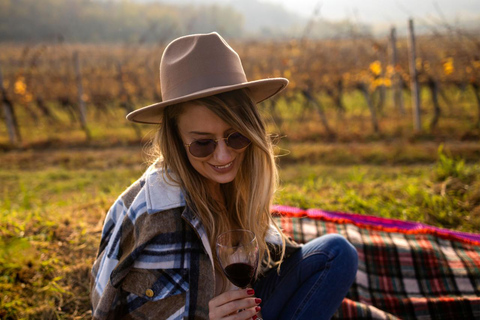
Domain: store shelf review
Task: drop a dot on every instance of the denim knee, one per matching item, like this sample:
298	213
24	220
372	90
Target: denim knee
340	251
346	258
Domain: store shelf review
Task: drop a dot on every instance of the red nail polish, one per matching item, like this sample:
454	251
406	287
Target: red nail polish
257	309
254	317
250	292
258	300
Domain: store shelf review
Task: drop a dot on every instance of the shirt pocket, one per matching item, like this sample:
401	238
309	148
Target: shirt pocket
156	284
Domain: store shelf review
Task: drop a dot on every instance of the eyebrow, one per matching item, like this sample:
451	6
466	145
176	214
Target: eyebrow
207	133
200	133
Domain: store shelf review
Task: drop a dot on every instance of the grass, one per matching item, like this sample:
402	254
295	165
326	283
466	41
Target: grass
407	193
50	225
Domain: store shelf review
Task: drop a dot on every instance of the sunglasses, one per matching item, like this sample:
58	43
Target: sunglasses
204	147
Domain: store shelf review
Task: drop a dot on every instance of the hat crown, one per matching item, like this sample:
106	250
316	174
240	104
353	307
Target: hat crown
199	66
198	62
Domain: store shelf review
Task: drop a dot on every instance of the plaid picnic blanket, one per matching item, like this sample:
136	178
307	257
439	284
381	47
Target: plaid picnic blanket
407	270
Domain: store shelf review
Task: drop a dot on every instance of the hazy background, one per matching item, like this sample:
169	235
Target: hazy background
154	20
379	15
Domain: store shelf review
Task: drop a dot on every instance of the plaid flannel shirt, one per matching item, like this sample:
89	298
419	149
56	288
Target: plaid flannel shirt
154	259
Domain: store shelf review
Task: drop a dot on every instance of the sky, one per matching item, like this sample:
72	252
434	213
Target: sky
385	11
379	15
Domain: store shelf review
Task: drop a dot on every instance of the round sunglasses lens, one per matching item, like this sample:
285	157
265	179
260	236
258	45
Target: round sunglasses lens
238	141
202	148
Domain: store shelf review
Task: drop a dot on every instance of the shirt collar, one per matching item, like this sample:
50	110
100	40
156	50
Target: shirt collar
161	193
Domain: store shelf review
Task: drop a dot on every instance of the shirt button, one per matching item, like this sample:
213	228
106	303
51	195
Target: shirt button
149	293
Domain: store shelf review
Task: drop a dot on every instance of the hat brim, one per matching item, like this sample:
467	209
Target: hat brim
259	90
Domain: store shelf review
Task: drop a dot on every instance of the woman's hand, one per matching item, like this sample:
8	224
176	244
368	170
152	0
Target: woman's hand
234	305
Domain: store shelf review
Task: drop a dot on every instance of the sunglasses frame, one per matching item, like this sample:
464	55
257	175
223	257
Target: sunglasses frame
216	144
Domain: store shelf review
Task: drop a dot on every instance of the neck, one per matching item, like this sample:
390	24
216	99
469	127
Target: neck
216	192
218	195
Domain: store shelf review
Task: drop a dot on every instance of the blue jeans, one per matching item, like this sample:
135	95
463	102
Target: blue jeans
312	282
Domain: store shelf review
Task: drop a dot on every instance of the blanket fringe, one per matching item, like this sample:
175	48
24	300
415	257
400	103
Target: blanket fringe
377	223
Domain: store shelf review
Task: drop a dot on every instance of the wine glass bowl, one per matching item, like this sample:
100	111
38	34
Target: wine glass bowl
237	252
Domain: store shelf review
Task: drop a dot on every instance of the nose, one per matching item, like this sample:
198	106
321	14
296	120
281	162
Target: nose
223	154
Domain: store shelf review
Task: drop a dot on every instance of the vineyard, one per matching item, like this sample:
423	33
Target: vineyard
348	88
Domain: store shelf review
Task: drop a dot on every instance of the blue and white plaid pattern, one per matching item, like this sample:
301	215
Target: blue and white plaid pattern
173	253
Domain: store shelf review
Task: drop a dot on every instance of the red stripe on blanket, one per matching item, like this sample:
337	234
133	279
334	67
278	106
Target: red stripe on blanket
375	223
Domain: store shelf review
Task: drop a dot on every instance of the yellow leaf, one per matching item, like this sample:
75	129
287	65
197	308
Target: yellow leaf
448	67
20	86
376	67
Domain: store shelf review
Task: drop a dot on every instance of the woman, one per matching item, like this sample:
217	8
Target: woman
215	171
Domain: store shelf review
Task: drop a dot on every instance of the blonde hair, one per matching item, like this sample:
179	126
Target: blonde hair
249	196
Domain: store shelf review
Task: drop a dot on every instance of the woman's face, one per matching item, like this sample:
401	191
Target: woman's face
198	122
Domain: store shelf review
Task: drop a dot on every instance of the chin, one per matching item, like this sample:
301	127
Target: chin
223	180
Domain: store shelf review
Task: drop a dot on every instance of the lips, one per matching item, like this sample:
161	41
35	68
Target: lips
223	168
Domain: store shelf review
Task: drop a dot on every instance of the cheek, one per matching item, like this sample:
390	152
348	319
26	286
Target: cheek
194	162
197	164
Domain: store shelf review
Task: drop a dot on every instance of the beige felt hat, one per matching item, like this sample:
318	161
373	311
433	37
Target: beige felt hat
198	66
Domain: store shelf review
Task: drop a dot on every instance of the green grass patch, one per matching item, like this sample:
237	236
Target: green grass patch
407	193
50	223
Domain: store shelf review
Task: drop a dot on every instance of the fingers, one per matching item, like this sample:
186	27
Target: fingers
246	314
248	308
234	305
230	296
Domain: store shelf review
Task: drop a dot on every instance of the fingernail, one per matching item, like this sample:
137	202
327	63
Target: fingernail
250	292
254	317
257	309
258	300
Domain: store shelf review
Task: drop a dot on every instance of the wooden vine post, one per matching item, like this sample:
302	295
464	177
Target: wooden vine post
434	89
319	108
9	113
81	101
417	124
476	91
363	87
397	80
382	89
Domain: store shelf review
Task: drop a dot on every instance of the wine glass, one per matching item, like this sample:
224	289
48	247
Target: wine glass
237	251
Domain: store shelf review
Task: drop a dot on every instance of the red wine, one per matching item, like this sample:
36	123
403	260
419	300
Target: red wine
240	274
